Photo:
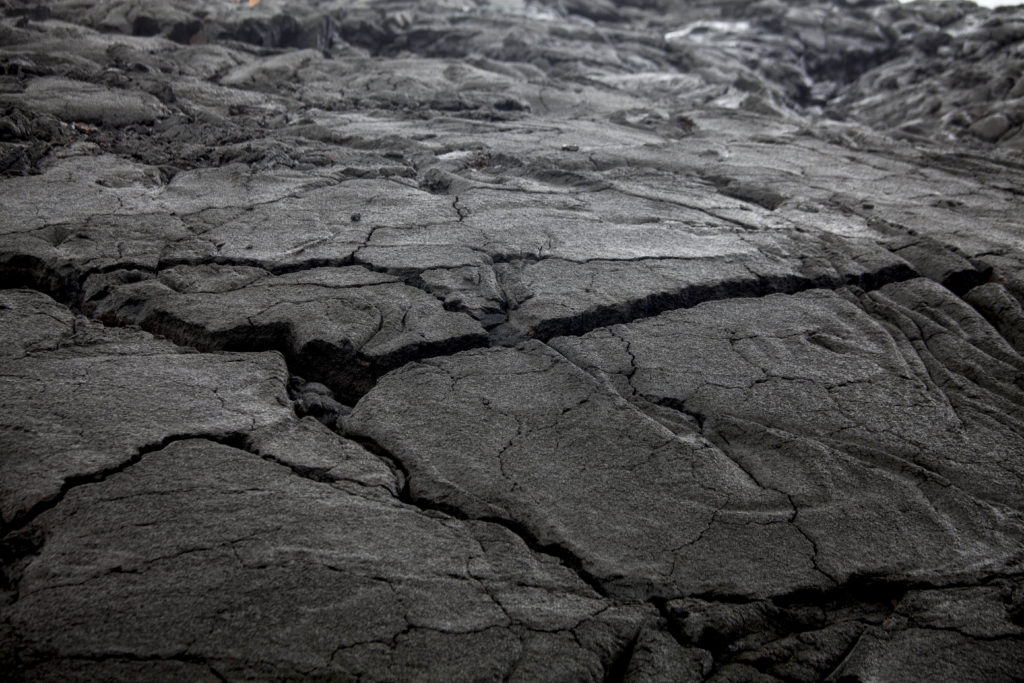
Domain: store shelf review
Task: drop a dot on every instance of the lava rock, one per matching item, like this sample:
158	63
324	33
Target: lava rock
505	340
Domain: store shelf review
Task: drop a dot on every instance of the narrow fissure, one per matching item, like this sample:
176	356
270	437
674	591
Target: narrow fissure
233	439
17	538
662	302
557	551
351	376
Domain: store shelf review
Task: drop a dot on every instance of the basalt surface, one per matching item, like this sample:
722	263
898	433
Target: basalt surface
511	340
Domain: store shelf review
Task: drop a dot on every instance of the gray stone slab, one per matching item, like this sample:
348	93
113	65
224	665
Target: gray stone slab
755	429
231	566
79	400
777	361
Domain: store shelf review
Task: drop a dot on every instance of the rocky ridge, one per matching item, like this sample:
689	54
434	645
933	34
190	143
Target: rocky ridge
511	340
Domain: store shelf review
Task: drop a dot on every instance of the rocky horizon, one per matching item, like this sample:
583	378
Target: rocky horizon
511	340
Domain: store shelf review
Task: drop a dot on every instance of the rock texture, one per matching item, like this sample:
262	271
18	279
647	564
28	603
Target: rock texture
511	340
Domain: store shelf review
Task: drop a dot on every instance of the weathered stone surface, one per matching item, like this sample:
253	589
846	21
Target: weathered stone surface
73	101
932	260
312	451
557	442
991	128
912	384
859	632
514	339
547	297
223	559
1001	309
754	501
342	326
969	632
79	400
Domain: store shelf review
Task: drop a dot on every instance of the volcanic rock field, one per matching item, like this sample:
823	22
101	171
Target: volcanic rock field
511	340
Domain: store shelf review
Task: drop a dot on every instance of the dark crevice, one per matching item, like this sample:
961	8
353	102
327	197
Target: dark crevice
855	590
518	258
751	193
694	417
65	282
460	210
688	297
30	272
281	269
618	668
394	464
565	556
351	375
317	474
311	399
320	475
939	262
344	369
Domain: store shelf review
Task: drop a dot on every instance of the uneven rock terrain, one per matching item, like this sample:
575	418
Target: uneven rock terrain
511	340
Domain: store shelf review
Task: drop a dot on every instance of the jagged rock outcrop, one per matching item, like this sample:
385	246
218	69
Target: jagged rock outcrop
511	340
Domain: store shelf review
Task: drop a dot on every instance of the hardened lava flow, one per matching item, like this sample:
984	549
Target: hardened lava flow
511	340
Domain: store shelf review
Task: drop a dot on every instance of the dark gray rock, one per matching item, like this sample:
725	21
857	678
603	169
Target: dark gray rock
215	543
931	259
342	326
80	400
316	400
710	450
78	101
511	340
312	451
1001	309
992	127
560	442
912	380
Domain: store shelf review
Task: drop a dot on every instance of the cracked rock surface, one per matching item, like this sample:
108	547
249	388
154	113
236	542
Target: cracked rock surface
511	340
